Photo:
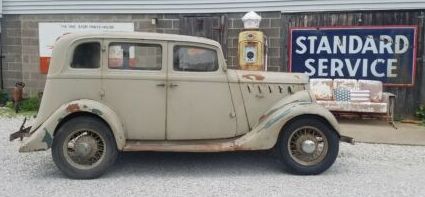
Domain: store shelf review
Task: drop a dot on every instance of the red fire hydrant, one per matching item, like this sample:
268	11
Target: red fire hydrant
17	93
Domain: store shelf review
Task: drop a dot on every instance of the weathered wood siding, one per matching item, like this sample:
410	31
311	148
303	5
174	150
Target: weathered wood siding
408	99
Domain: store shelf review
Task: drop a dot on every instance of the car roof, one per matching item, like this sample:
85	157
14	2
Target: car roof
139	35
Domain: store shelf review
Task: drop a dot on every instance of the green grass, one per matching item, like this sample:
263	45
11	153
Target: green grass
6	112
30	104
29	108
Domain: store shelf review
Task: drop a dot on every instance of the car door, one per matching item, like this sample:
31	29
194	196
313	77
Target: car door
133	83
199	104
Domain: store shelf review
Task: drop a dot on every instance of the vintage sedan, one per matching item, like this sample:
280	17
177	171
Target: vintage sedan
112	92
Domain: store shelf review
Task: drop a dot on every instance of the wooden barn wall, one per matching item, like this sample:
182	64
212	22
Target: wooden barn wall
408	99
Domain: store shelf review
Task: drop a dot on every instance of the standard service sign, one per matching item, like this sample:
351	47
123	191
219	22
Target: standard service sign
384	53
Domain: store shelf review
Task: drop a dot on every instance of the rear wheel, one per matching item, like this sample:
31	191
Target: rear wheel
308	146
84	148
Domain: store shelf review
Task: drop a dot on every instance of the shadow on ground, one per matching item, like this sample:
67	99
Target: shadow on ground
195	164
170	164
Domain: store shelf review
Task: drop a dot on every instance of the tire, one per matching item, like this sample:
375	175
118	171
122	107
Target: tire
91	153
295	146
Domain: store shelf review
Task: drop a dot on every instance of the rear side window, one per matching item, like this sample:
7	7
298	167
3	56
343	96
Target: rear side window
194	59
86	55
135	56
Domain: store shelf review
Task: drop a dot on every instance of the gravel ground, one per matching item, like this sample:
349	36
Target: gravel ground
360	170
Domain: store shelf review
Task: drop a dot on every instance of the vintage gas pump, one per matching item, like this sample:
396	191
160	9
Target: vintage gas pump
252	46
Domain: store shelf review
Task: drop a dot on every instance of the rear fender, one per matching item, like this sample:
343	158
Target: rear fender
41	138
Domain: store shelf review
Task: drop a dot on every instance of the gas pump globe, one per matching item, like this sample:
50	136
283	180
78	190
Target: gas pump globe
251	44
251	20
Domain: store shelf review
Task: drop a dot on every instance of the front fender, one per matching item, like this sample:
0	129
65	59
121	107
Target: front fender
292	110
41	138
264	136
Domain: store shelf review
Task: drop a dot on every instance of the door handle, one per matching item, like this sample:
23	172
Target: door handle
172	85
161	85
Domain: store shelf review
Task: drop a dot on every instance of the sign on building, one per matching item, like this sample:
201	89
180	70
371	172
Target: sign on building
49	33
384	53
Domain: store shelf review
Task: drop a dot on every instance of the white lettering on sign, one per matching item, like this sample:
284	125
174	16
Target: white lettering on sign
336	67
312	39
391	68
385	44
324	46
401	44
369	45
354	45
339	45
323	66
301	45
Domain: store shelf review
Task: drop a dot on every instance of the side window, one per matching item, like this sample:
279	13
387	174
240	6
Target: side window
195	59
86	55
135	56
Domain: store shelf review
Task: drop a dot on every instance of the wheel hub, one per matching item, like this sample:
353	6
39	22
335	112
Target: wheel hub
85	147
308	146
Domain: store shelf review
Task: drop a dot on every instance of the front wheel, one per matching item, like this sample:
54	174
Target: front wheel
84	148
308	146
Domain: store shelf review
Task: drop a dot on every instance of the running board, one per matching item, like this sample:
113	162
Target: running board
183	146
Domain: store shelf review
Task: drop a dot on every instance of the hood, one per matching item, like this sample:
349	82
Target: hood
271	77
262	90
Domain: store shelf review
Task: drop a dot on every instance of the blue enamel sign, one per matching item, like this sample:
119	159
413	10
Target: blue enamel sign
384	53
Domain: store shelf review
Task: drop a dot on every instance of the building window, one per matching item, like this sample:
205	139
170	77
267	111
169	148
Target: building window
86	55
135	56
195	59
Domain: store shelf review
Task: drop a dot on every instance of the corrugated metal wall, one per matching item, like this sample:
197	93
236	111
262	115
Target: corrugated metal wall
199	6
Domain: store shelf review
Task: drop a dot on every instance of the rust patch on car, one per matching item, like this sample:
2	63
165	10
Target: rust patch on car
73	108
256	77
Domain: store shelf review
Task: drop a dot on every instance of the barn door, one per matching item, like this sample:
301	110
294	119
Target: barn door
212	27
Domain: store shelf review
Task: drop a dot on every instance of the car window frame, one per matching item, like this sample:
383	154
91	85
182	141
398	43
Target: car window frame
105	59
71	53
198	45
134	43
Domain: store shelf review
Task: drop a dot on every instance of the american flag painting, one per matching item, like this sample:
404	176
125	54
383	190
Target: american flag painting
342	95
359	95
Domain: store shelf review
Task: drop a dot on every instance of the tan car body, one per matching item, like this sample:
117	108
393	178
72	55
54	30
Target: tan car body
167	110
